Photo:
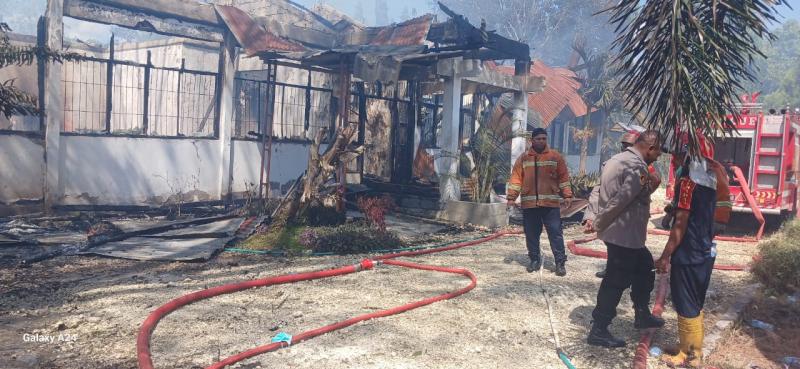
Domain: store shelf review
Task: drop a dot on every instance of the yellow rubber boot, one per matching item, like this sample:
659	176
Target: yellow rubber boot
695	338
690	346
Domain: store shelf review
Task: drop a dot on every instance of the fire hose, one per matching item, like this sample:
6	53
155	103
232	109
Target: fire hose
148	326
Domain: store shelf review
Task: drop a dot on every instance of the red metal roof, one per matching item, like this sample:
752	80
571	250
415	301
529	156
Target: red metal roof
560	92
251	36
409	33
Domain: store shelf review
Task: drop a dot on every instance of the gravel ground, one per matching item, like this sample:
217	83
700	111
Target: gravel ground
97	304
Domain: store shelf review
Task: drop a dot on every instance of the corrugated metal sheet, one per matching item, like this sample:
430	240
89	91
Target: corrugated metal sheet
560	92
251	36
411	32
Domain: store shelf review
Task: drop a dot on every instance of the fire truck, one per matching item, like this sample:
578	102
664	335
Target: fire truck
766	149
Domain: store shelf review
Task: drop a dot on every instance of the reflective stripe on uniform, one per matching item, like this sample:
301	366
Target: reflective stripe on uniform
726	204
563	185
543	163
514	187
541	197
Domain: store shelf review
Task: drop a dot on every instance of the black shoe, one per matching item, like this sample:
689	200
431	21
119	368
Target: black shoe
535	265
602	337
561	270
644	319
600	274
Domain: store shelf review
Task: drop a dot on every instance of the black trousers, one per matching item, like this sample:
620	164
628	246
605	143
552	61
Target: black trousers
533	220
688	286
625	268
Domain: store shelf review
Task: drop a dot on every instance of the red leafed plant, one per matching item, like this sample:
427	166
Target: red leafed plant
375	209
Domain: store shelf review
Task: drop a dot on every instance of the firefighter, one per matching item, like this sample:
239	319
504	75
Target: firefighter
541	180
621	222
690	251
628	139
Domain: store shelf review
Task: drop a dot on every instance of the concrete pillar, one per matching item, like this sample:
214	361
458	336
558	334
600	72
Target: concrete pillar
228	62
53	106
519	117
449	186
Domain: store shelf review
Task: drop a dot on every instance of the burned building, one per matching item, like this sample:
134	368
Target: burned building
228	106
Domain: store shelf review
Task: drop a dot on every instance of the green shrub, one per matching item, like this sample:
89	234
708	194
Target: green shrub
778	265
351	238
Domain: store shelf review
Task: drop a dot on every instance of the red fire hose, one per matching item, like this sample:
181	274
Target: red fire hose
149	325
143	340
643	348
573	247
346	323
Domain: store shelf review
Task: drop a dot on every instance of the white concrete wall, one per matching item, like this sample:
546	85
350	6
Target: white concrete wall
21	170
138	171
289	159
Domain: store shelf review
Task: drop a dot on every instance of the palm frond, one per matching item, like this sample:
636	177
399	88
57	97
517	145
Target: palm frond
682	63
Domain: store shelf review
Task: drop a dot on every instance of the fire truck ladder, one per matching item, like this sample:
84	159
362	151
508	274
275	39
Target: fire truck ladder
768	177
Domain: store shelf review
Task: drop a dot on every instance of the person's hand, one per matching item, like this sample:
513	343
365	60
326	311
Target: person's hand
588	226
662	265
567	202
511	204
655	181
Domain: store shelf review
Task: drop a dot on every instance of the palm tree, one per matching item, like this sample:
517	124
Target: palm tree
598	91
682	63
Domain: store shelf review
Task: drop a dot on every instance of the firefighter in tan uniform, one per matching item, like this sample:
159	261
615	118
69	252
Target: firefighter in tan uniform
541	180
621	222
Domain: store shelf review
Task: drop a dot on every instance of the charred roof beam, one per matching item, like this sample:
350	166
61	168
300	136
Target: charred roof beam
459	33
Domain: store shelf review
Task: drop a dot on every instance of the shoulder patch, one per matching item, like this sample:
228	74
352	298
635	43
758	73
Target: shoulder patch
686	188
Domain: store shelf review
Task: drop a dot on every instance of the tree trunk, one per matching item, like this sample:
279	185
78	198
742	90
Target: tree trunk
312	192
585	141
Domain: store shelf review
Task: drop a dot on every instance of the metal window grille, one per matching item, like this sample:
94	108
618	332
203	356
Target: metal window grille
300	111
145	100
127	96
84	96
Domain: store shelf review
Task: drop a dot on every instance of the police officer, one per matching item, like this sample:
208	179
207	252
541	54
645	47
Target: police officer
628	139
621	222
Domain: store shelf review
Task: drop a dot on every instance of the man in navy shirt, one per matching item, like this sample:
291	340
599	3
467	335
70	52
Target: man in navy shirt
690	252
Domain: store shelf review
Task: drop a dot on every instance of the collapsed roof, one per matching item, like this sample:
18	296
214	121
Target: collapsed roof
398	51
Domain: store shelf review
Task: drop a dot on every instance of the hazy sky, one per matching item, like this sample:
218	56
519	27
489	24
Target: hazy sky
21	15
